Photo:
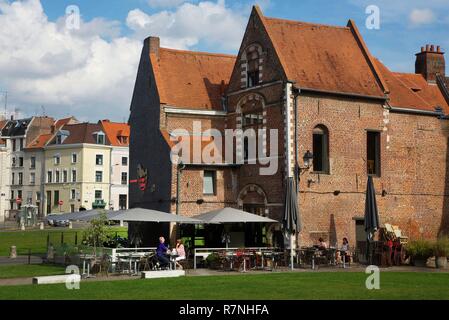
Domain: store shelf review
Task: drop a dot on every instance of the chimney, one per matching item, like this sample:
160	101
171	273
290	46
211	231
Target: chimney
154	43
430	62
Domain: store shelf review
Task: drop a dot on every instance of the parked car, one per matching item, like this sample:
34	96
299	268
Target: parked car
53	221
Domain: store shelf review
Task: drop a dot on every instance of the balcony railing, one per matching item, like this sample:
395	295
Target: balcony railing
99	204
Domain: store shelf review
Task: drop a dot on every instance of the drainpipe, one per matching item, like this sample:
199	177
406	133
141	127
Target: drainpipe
296	93
180	168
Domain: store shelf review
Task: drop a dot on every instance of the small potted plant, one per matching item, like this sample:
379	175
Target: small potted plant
420	251
441	252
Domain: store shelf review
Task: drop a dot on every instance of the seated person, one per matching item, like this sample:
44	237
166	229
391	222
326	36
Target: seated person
344	251
161	253
180	250
322	244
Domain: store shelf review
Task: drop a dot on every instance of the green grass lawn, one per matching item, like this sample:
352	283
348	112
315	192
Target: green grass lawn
25	271
36	240
290	286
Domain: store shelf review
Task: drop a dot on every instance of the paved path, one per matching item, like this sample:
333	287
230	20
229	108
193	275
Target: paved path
20	260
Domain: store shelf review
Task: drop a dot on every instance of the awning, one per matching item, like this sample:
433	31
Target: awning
148	215
78	216
230	215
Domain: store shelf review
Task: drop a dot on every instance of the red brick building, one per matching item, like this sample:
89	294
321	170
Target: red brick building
321	88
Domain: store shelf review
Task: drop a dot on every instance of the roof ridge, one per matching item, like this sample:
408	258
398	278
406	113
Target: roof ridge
259	13
368	57
224	55
307	23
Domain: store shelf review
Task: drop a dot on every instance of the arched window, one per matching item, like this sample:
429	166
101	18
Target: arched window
321	149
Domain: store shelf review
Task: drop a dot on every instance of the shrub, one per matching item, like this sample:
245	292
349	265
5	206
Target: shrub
213	260
420	249
441	247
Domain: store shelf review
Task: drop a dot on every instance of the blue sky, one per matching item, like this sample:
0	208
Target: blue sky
90	72
395	43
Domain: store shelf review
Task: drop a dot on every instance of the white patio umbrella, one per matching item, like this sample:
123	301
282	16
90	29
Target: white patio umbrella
148	215
231	215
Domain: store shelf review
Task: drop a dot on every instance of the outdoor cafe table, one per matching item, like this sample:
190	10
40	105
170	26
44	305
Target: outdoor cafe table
87	260
308	252
132	258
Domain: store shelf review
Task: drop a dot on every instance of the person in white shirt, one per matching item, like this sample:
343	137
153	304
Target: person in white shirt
322	244
181	252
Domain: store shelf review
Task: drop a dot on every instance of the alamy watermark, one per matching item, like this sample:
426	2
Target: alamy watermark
373	19
72	18
73	280
238	146
373	280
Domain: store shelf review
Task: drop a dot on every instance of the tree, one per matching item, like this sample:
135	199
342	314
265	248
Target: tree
97	233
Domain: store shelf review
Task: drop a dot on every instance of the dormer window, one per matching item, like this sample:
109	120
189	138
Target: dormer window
100	137
61	136
123	139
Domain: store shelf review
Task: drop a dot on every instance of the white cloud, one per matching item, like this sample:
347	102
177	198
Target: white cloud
90	72
165	3
400	11
422	16
68	71
210	23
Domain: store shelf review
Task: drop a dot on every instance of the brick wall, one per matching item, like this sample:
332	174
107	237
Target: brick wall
413	164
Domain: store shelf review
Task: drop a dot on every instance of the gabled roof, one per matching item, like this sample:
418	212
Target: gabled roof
62	122
40	141
412	91
114	130
81	133
193	80
324	58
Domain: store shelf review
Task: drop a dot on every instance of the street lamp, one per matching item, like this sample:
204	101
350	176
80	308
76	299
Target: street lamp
308	160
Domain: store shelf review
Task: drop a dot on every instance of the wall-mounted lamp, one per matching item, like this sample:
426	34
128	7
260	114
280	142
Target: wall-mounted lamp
200	201
308	162
384	193
337	192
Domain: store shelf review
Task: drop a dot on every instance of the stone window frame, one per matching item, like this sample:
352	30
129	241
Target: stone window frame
244	64
240	112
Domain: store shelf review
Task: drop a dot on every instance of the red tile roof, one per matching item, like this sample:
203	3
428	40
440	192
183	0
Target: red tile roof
325	58
41	141
114	131
82	133
412	91
193	80
62	122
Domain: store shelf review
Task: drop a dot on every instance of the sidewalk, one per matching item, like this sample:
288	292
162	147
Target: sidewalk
20	260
